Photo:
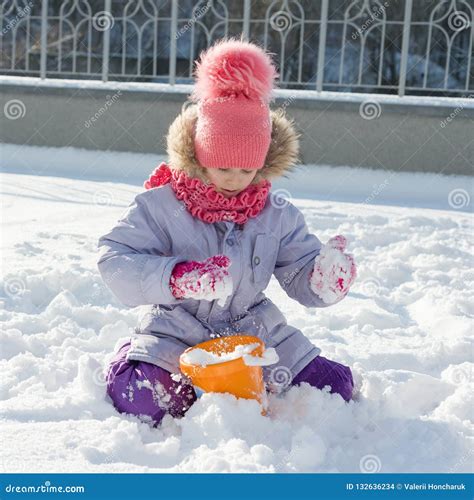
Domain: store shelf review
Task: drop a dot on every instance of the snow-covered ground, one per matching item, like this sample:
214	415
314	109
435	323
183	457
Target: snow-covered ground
405	329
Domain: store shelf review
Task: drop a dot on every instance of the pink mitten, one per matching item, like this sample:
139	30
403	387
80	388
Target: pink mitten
334	271
206	280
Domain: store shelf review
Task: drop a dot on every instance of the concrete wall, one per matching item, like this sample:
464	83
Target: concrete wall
369	130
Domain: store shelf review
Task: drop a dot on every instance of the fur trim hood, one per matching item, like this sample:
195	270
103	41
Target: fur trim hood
281	157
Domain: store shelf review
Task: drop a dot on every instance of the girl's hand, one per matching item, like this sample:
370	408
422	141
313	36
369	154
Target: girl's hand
334	271
206	280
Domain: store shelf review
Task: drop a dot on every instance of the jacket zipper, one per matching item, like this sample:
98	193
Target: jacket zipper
240	273
220	249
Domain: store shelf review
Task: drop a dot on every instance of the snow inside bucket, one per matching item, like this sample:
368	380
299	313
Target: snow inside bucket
229	364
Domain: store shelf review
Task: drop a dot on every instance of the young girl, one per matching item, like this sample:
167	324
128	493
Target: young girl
200	245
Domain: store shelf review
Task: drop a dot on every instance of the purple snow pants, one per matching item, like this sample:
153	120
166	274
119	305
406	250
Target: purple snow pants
149	392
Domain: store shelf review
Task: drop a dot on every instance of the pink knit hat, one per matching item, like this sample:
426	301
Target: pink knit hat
234	82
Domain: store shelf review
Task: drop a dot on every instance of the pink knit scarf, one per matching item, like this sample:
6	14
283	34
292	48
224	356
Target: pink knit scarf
204	202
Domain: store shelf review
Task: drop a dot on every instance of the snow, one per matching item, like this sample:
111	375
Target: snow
30	81
269	357
405	329
202	357
465	102
321	182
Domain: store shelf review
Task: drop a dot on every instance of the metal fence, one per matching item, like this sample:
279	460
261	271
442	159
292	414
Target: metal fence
395	46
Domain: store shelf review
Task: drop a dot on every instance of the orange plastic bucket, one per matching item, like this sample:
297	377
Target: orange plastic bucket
233	376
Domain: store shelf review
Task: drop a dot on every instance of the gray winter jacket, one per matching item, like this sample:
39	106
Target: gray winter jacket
138	255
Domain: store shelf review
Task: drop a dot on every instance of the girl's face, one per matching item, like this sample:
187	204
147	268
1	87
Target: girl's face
230	181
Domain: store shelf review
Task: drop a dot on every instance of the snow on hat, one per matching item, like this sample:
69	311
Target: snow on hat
234	82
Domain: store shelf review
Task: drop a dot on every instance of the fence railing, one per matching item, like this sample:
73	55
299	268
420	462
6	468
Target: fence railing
394	46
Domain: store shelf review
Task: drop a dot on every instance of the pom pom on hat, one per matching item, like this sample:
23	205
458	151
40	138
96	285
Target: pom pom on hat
233	68
234	82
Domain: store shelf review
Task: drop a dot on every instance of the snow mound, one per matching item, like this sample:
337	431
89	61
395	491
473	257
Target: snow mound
405	329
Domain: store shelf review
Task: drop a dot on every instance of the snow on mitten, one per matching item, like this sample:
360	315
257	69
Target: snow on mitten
334	271
206	280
